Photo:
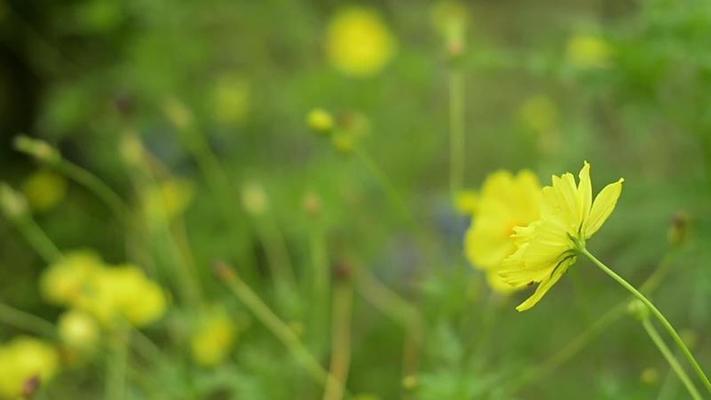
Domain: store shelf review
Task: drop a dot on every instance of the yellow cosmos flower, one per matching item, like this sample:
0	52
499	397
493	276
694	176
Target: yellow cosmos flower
22	360
65	281
546	248
78	329
44	190
506	201
358	43
588	52
214	338
124	292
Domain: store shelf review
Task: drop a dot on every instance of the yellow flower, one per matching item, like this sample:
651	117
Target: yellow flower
358	42
546	248
22	360
230	99
214	338
589	52
124	292
44	190
168	199
65	281
78	329
506	201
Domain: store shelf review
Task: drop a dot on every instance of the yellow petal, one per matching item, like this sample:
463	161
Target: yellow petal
546	285
603	206
568	200
585	190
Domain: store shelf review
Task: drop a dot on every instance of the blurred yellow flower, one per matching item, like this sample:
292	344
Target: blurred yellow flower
466	202
168	199
320	120
450	20
358	42
124	292
44	189
254	198
65	281
78	329
22	360
214	338
589	52
506	201
546	248
230	99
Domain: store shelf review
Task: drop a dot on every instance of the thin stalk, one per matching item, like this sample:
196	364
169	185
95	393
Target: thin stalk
341	341
456	128
395	307
657	314
26	321
95	185
117	365
275	325
385	183
37	238
277	253
671	359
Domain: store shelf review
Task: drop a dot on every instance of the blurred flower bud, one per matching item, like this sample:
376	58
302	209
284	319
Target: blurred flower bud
44	189
638	309
39	149
450	20
213	338
312	204
678	232
178	113
254	198
466	202
649	376
230	99
131	149
12	203
78	330
410	382
320	121
589	52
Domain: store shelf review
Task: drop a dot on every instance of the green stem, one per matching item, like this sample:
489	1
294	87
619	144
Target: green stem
658	314
275	325
456	126
669	356
117	365
386	184
26	321
96	186
39	240
341	341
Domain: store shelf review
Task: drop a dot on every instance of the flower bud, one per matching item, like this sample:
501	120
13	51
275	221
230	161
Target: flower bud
678	231
320	121
638	309
39	149
254	199
12	203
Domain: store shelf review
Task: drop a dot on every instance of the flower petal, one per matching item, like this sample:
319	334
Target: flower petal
602	207
546	284
585	190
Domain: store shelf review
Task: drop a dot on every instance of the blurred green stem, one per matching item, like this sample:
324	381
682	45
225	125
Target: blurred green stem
117	364
36	237
385	183
277	253
456	128
25	321
96	186
341	340
671	359
657	314
275	325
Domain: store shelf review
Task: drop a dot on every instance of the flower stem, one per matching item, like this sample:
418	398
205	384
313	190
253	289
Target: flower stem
658	314
386	184
277	327
341	340
117	365
456	127
37	238
26	321
671	359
